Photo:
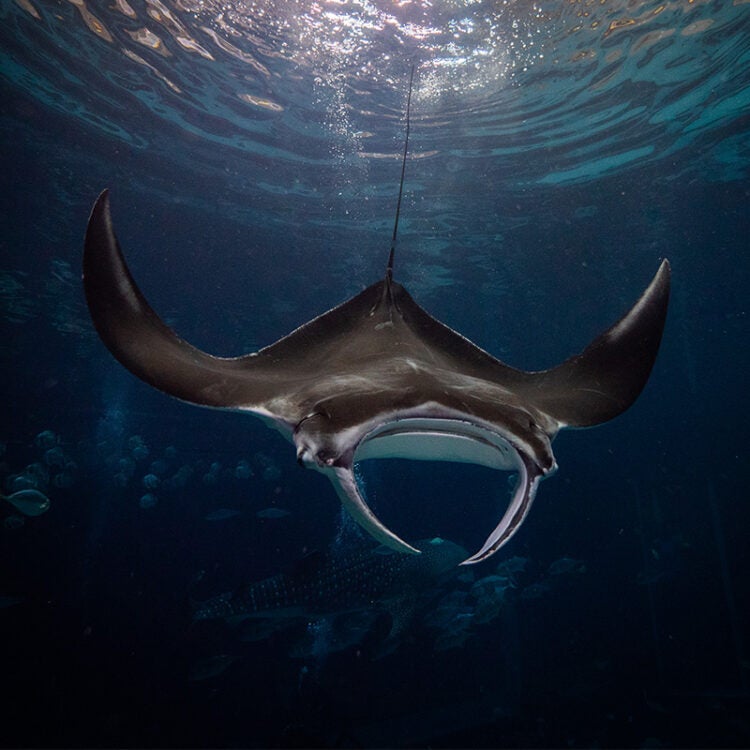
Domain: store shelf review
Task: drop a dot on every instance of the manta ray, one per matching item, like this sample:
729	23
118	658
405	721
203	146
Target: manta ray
378	376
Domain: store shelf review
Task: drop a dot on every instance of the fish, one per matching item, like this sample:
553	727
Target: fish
368	597
339	583
30	502
371	598
378	376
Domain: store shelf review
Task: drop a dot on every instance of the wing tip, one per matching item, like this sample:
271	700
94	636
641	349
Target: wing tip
606	378
101	207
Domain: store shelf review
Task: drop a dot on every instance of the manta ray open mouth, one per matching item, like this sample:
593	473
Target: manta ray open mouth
435	439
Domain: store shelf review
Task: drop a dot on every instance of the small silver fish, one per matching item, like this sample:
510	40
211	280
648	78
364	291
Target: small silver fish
29	502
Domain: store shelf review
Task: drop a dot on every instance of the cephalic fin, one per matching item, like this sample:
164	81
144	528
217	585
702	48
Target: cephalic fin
528	480
345	482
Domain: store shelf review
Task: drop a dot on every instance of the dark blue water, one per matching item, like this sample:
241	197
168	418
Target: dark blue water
557	154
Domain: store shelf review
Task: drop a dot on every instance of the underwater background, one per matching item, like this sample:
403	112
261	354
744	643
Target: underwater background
558	152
